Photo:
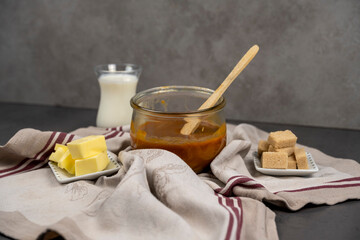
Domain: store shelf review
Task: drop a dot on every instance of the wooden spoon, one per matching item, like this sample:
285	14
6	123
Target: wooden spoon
193	123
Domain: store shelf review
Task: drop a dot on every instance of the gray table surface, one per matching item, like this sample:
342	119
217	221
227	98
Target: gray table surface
341	221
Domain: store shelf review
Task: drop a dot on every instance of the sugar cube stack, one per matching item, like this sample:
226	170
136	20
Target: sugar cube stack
279	151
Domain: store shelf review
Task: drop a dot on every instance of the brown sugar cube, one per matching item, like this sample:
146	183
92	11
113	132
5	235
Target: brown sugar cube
291	162
292	158
277	160
288	150
263	146
282	139
301	158
271	148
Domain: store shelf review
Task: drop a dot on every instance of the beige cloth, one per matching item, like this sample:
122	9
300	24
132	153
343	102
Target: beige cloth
336	181
155	195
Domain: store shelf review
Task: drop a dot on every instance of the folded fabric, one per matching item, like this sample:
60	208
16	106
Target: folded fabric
155	194
336	181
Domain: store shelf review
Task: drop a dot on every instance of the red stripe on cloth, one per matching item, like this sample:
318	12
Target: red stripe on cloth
71	138
121	132
119	128
59	140
244	178
29	167
233	210
46	145
240	182
238	214
14	167
241	216
239	176
320	187
113	131
107	133
346	180
231	218
41	156
112	135
26	159
253	186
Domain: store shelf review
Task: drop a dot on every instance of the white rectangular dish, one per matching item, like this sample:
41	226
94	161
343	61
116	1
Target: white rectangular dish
287	172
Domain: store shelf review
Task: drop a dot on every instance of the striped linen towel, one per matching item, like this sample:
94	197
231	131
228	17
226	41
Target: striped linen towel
155	195
336	181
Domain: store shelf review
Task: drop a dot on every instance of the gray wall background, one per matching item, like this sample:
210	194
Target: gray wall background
307	70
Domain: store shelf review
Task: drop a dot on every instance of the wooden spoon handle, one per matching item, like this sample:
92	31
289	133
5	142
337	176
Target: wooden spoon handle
192	124
241	65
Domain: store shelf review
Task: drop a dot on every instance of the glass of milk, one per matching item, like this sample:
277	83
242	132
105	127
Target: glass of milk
117	86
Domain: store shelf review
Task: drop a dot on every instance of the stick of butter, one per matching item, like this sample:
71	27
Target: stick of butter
87	146
92	164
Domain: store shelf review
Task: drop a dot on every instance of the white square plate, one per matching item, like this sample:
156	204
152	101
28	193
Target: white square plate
64	177
287	172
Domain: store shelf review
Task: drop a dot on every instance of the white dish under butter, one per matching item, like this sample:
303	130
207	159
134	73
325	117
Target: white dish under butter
64	177
287	172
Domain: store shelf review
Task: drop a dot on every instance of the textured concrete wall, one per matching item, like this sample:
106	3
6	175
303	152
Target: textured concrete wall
307	71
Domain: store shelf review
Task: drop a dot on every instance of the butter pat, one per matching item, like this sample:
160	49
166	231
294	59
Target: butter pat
67	162
86	147
60	146
59	152
63	158
92	164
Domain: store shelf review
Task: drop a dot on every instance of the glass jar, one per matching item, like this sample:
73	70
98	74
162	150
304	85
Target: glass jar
160	113
117	86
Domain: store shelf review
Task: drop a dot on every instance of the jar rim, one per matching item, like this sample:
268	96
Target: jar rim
134	102
118	68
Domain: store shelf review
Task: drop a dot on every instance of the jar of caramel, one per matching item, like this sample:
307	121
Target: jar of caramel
160	113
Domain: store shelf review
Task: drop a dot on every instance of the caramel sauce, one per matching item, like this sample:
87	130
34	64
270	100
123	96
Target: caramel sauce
197	149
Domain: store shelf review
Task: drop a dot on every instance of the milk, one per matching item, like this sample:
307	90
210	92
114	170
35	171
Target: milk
116	91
